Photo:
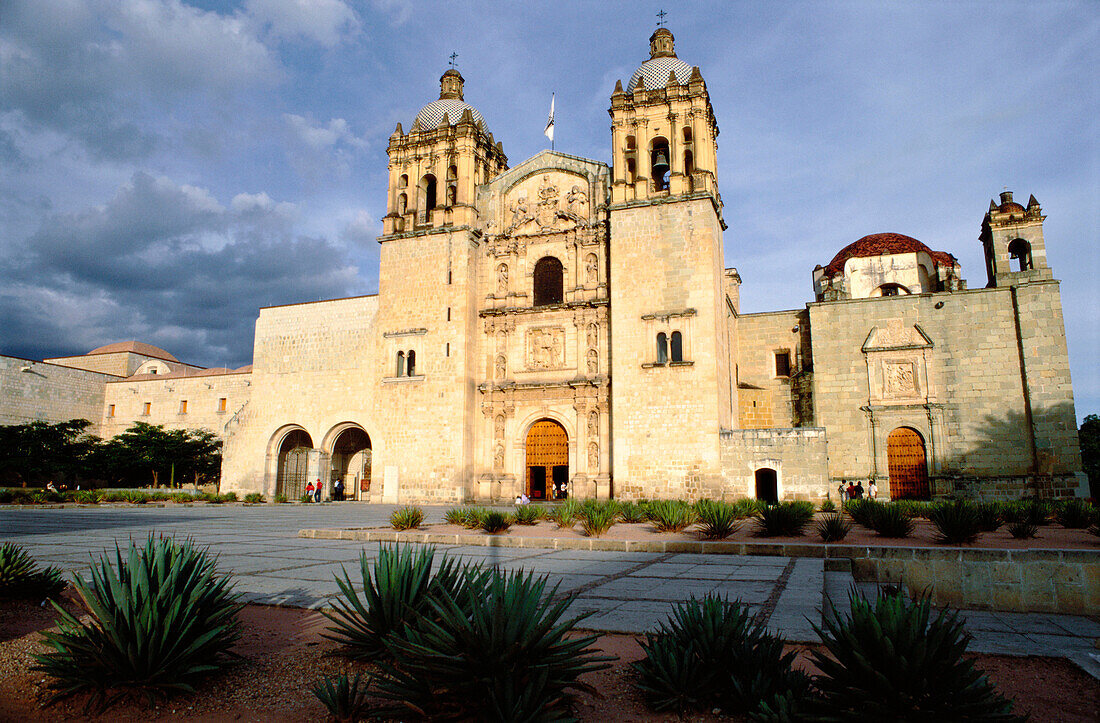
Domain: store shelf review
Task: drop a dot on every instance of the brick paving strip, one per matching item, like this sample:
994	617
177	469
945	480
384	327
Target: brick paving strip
589	586
766	611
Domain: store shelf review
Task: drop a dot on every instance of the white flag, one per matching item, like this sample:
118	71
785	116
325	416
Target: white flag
550	121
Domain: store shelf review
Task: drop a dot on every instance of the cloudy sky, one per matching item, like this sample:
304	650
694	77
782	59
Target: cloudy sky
168	167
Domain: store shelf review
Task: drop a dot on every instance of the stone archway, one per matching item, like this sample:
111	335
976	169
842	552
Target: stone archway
907	464
547	464
292	471
351	462
767	485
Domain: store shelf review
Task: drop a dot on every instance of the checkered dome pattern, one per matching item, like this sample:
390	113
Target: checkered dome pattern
656	70
431	115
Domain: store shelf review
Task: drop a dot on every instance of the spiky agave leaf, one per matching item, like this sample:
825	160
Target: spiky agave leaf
20	575
160	617
346	700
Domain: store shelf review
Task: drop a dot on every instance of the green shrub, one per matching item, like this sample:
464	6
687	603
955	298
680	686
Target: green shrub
20	576
827	506
631	512
717	520
407	518
455	516
891	662
506	653
989	516
833	527
346	701
749	507
495	521
526	515
670	515
1023	530
715	653
955	522
85	497
280	499
161	618
1094	521
786	519
915	508
1073	514
862	511
229	497
891	520
134	497
1033	511
307	497
397	590
566	515
254	498
468	517
597	519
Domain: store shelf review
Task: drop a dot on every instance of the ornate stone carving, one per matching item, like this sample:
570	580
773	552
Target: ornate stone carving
502	278
520	214
577	201
593	457
546	347
547	213
591	270
592	359
899	379
498	457
498	426
593	335
593	423
500	370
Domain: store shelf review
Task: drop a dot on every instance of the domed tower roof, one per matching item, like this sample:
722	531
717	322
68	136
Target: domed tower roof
662	61
450	103
134	347
884	244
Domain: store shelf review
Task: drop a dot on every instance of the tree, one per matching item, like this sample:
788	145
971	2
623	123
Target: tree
150	452
39	452
1089	436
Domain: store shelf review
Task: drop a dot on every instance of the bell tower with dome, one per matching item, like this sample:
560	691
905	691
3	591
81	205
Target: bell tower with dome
1012	239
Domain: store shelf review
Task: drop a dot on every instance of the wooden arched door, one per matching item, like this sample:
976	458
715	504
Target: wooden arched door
547	460
907	464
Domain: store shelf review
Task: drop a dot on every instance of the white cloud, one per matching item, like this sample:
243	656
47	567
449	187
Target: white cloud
319	137
326	22
361	229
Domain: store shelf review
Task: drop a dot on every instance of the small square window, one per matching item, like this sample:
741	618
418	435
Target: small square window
782	363
222	404
147	409
111	410
183	406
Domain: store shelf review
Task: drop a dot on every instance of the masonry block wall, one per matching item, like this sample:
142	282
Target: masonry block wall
799	458
49	393
765	395
196	402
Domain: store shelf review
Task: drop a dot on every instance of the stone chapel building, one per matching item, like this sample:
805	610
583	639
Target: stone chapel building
568	327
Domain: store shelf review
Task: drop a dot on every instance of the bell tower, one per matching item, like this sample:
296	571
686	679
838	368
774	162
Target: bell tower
663	132
1012	238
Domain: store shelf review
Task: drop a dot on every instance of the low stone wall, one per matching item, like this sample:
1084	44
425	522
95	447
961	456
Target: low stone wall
1011	488
798	455
1055	581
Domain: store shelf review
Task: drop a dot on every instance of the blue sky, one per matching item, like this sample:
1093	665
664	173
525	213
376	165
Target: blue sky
168	167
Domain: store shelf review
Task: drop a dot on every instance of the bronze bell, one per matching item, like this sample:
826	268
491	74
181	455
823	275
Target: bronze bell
660	163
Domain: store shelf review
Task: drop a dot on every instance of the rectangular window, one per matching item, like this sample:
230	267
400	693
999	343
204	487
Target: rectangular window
221	404
448	313
111	410
448	352
782	363
183	406
147	408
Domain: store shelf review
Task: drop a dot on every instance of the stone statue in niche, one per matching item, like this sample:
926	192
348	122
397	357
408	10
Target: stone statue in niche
498	457
520	214
577	201
899	379
502	278
498	426
593	457
593	424
591	270
593	334
544	348
593	361
501	366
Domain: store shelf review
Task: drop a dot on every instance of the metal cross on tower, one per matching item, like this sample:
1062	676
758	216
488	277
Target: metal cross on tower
661	17
453	56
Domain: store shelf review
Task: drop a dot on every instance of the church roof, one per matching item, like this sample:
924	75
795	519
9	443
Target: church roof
884	244
1011	207
135	347
431	115
655	72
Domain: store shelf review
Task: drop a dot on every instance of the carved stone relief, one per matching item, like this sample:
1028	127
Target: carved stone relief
591	270
546	347
498	457
593	457
550	209
502	278
547	213
578	204
593	423
593	334
899	379
501	367
498	426
593	361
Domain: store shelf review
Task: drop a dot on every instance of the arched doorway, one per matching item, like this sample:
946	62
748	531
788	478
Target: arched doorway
907	464
351	460
767	485
547	460
294	452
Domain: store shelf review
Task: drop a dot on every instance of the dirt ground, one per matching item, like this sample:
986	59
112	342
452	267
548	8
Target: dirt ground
283	654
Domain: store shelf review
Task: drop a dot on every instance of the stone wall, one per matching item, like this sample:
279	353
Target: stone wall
765	398
49	393
193	402
798	456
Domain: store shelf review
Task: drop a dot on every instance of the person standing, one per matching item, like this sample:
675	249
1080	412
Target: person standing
843	492
309	490
317	492
872	489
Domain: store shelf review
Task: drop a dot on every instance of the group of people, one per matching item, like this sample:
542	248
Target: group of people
855	491
316	489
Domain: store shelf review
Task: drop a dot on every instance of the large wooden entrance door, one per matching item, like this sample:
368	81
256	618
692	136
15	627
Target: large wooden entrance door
290	477
908	465
547	460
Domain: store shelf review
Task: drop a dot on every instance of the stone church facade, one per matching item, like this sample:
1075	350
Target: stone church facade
568	327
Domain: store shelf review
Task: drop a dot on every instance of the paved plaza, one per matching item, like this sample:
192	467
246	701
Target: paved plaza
624	591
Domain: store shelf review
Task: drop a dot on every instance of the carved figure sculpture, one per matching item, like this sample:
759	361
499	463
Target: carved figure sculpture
520	213
591	269
501	366
593	457
498	457
593	423
547	213
502	278
593	361
498	426
593	334
577	201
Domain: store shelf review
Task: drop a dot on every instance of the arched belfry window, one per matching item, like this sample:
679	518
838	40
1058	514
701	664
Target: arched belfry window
548	281
687	134
677	347
1020	252
411	363
402	204
660	163
400	364
427	193
404	182
662	348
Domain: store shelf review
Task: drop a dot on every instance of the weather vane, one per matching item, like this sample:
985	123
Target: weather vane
453	56
661	17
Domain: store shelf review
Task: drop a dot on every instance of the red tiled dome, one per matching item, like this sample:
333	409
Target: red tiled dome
883	244
135	347
1010	207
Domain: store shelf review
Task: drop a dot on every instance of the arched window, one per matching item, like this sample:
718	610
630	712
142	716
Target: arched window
404	181
662	348
891	290
687	134
630	143
400	364
402	204
548	281
427	193
1020	252
412	363
677	346
659	163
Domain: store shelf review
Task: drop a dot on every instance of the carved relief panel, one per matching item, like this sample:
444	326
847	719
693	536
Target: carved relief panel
547	202
545	348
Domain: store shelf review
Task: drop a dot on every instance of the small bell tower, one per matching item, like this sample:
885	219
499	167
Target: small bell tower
1012	238
663	131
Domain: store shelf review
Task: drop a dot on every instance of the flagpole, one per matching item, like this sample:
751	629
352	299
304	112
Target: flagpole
549	132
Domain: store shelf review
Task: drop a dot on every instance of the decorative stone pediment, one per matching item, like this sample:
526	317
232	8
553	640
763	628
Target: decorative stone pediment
547	202
545	348
895	335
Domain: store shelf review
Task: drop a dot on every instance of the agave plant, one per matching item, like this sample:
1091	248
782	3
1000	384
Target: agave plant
955	522
566	515
20	575
833	527
989	516
892	661
280	499
1073	514
1023	530
495	521
786	519
346	700
717	520
710	653
508	654
862	510
597	519
631	512
526	515
891	520
161	617
397	589
749	506
1031	511
671	515
827	506
407	518
254	498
